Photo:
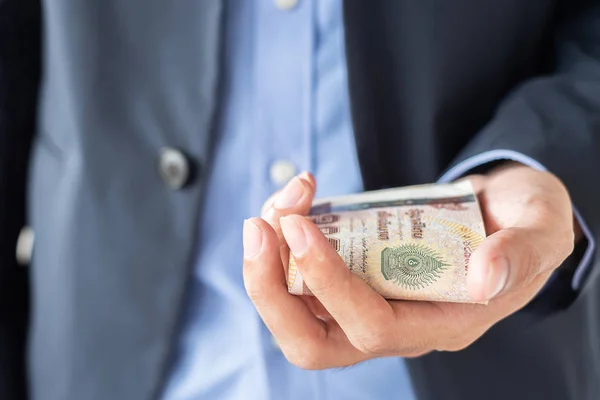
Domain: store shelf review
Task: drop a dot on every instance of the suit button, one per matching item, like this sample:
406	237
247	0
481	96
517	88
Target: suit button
174	168
25	246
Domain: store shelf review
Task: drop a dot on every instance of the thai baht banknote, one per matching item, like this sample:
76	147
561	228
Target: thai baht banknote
411	243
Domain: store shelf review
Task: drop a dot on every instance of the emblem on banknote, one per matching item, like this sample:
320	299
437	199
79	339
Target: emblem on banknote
411	266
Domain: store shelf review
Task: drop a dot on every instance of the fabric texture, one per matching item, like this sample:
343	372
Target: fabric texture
431	84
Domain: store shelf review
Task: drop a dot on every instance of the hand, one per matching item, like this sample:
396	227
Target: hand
529	221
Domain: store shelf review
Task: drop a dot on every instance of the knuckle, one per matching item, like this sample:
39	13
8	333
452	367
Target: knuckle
534	263
457	345
256	290
317	269
569	245
305	363
530	260
461	342
312	259
304	357
413	351
256	295
416	353
377	342
422	346
507	238
317	257
322	286
540	205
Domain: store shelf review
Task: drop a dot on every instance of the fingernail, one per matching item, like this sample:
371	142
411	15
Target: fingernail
497	277
267	207
294	236
307	177
290	195
252	239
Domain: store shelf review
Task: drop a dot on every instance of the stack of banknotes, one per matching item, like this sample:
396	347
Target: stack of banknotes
411	243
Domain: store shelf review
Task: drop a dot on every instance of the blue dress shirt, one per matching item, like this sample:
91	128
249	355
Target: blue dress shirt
285	109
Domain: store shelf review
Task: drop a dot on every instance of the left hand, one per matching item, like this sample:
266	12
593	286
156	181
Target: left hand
528	217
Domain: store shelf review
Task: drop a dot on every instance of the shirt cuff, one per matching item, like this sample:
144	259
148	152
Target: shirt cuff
467	165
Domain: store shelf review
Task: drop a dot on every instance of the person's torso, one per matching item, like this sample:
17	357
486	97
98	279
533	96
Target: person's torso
124	154
284	110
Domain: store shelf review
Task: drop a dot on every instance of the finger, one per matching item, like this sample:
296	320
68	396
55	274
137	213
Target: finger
363	314
295	198
303	338
305	176
266	284
511	258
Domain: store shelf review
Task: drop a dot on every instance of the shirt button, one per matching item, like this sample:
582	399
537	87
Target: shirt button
282	171
286	4
174	168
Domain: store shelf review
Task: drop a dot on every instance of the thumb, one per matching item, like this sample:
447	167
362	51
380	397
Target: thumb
295	198
510	259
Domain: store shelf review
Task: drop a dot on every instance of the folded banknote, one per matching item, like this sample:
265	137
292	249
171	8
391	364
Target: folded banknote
411	243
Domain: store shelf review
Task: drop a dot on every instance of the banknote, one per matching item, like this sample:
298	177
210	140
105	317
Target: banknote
411	243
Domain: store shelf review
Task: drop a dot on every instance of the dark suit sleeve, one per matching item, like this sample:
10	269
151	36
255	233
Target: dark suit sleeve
555	119
19	80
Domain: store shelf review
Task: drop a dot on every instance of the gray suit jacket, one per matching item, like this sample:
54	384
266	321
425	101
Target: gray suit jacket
432	82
